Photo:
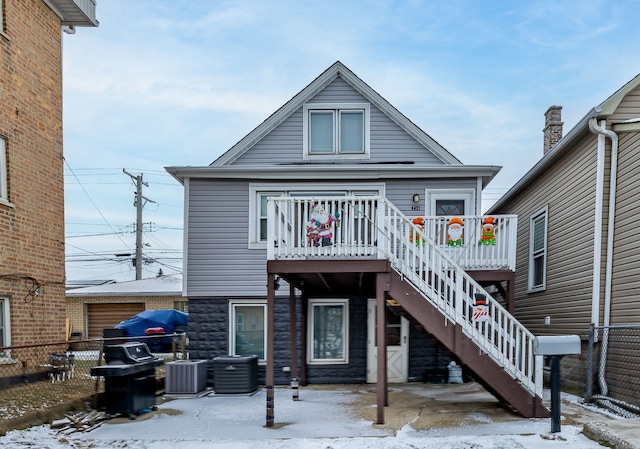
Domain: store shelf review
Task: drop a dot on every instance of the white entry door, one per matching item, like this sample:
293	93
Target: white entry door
397	346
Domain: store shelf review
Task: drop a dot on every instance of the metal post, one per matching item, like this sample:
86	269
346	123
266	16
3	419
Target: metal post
294	388
590	363
555	393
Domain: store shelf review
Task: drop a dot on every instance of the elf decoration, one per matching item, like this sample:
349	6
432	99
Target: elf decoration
455	234
319	227
488	236
413	236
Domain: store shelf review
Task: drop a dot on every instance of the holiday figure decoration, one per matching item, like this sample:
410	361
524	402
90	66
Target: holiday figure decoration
480	309
488	231
320	226
413	236
455	234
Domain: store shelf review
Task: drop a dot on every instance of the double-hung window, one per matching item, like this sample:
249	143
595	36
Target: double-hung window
340	130
538	250
328	329
248	329
3	170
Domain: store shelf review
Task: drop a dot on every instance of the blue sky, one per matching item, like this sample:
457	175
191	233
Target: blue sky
175	82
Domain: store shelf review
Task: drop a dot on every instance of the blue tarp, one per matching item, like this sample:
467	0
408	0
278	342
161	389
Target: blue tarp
168	319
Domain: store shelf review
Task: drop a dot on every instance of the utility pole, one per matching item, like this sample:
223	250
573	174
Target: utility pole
140	201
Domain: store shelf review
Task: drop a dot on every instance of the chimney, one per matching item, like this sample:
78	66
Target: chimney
552	127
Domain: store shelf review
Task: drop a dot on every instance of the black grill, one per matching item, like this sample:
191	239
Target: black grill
129	378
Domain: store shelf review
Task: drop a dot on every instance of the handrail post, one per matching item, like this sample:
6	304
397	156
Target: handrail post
271	228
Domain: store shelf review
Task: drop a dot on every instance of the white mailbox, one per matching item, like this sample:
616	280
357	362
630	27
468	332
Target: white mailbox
556	345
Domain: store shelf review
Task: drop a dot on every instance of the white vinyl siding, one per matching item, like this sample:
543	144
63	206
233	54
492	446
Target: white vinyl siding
538	250
336	129
284	144
328	325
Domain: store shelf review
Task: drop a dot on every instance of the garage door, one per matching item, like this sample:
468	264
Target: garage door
105	316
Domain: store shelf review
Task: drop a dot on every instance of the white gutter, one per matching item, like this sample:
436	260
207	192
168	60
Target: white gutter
597	231
613	178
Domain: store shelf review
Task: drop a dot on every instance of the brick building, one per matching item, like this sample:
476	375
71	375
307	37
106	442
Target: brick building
90	310
32	274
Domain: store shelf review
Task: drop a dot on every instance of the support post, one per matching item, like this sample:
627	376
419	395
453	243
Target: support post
381	338
294	342
304	311
555	393
269	374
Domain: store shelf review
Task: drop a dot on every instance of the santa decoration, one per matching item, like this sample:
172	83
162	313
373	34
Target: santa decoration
320	226
455	234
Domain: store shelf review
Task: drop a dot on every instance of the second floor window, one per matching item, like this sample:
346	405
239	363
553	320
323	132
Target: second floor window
336	130
538	251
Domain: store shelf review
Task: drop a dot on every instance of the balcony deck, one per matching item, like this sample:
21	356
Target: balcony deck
357	227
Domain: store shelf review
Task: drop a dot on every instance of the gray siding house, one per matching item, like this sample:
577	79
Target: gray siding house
338	223
577	253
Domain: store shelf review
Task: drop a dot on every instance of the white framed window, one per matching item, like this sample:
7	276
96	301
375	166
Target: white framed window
328	329
5	324
450	202
538	225
336	129
4	195
248	328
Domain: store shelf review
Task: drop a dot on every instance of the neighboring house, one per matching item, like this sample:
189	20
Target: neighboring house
90	310
577	261
371	224
32	274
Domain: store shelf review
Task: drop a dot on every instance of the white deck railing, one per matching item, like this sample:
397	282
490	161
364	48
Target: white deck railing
371	227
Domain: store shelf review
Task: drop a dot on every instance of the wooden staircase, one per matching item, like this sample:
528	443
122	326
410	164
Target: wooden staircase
427	283
485	369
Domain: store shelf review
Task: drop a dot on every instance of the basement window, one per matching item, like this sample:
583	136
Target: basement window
328	332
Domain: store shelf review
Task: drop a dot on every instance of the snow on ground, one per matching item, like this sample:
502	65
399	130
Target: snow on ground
320	420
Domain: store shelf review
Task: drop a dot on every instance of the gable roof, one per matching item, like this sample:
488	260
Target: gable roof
568	141
336	70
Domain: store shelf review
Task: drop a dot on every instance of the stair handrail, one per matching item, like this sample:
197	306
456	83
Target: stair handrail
421	262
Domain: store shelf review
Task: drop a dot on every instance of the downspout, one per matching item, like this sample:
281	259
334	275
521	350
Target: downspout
613	178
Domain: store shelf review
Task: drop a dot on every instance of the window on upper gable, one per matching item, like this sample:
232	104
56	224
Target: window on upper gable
538	250
336	130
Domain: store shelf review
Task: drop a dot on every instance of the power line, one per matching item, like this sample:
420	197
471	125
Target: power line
90	199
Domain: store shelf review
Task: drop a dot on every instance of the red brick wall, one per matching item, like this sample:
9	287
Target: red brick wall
32	224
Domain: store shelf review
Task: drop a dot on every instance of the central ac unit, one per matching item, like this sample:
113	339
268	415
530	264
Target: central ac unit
186	376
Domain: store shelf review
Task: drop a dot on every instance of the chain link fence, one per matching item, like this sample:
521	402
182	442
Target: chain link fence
612	369
37	378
